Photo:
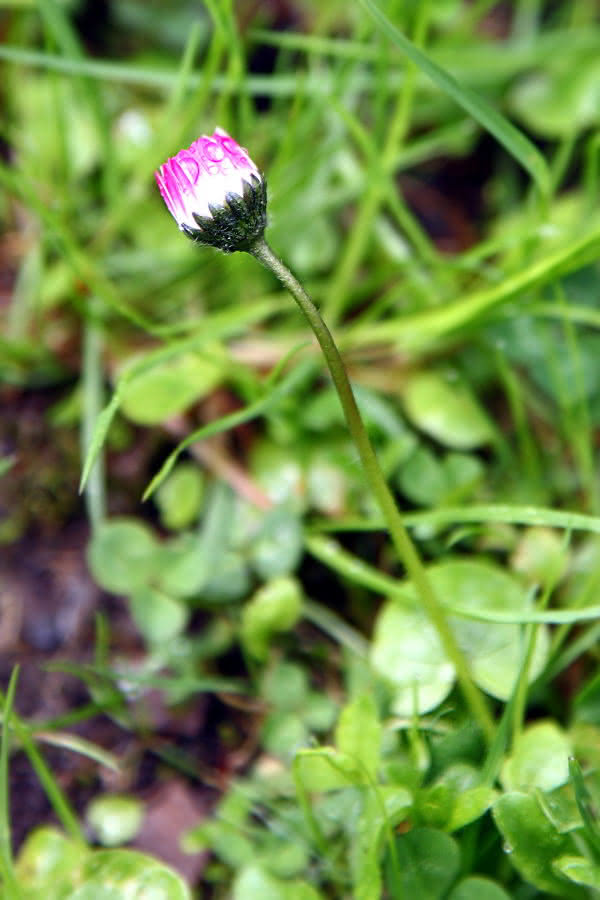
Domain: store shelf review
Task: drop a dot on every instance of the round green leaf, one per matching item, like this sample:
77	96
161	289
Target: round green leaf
423	478
286	686
285	860
320	711
562	99
533	843
494	651
278	472
325	769
326	485
122	555
274	608
580	870
278	547
183	569
48	862
446	410
56	868
469	806
128	873
158	616
407	652
284	733
167	388
539	759
231	582
115	818
254	883
478	889
359	733
428	863
179	498
541	555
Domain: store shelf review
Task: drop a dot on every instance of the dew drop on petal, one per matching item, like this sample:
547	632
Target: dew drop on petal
213	151
190	167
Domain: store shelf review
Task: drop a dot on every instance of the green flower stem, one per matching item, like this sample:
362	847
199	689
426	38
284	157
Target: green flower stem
375	478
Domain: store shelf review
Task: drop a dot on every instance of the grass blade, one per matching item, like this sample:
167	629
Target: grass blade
6	862
230	421
489	118
96	441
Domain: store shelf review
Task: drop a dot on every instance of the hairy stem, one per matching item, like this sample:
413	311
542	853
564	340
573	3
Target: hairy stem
404	545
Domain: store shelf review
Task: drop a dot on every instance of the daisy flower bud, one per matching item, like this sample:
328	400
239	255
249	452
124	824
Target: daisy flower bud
215	193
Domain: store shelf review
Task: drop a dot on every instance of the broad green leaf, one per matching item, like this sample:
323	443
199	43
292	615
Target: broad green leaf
428	480
277	548
383	810
159	617
56	868
488	117
286	686
469	806
279	473
407	652
326	769
287	861
533	843
254	883
476	888
327	483
128	873
446	410
580	870
560	807
231	581
434	805
168	388
457	797
561	99
274	608
428	863
365	858
320	711
123	555
358	733
541	555
585	804
49	862
539	759
115	818
463	472
179	498
226	840
284	733
183	568
422	478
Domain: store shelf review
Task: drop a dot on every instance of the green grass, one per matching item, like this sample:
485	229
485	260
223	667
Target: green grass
435	187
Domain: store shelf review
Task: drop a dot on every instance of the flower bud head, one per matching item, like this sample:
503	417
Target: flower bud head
215	193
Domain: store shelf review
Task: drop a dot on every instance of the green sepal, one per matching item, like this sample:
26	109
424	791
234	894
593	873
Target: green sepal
237	224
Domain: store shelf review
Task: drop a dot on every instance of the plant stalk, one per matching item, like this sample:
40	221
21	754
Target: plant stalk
404	545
